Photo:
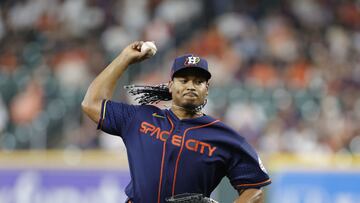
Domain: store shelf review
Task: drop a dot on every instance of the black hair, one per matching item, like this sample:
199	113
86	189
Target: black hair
148	94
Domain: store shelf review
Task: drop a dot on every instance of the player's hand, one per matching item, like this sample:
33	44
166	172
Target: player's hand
132	53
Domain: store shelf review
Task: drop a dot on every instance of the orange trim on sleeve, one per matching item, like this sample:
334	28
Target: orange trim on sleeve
162	160
253	184
181	148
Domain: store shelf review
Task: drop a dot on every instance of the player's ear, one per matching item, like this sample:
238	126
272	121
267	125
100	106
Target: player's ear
170	84
207	88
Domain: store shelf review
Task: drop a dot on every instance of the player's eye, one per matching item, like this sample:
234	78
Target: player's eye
182	81
199	82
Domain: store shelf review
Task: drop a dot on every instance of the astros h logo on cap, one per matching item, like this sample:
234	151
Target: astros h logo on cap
192	60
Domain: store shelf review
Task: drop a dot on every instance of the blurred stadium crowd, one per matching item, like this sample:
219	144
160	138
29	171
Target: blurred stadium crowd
286	74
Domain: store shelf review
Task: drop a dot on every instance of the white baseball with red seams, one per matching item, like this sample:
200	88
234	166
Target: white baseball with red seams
148	45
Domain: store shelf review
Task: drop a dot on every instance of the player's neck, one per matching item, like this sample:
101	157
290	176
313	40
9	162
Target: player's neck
183	113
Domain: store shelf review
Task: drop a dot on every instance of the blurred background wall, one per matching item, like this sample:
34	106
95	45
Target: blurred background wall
286	75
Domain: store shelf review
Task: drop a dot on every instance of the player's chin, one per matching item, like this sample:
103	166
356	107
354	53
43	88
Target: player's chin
190	104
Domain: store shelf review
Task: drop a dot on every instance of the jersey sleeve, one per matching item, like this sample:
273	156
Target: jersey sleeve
246	169
116	116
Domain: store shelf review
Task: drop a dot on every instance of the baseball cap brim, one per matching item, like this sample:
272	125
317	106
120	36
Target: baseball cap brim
192	71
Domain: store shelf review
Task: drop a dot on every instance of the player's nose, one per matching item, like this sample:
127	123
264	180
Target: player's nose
190	85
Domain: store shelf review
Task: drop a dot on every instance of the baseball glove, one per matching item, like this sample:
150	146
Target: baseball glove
190	198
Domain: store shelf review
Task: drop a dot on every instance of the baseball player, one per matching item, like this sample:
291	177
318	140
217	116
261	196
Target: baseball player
173	151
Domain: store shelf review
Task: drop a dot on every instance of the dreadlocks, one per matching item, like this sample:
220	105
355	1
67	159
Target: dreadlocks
148	94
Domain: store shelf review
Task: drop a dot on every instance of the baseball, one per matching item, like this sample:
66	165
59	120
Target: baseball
149	45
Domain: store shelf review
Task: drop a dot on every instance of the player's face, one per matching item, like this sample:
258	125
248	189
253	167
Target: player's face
189	89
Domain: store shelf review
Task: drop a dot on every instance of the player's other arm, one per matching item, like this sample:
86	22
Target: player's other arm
251	195
103	86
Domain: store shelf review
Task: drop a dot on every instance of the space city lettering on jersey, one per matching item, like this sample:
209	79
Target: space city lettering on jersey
163	135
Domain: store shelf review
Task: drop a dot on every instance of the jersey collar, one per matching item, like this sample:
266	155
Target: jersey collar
202	119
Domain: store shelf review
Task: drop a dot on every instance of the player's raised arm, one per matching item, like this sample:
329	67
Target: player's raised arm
104	84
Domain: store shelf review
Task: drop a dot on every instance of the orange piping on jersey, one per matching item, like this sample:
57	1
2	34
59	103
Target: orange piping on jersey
103	114
162	160
161	171
181	148
254	184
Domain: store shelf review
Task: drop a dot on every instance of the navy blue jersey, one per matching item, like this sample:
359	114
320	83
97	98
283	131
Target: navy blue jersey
169	156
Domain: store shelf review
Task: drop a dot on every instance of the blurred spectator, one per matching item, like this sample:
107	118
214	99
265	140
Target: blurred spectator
71	69
115	37
248	119
78	18
27	105
279	38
